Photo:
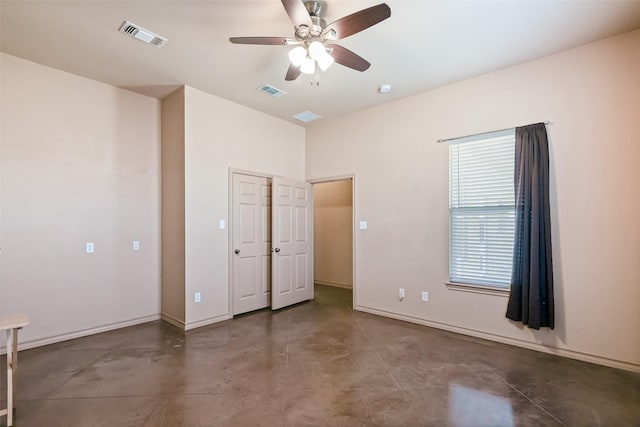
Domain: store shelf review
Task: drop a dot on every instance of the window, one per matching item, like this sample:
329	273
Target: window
481	209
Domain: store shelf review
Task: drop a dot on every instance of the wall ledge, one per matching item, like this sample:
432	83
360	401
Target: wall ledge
571	354
478	289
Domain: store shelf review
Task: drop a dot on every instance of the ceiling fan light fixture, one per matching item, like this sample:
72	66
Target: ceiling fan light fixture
317	50
297	55
325	61
308	66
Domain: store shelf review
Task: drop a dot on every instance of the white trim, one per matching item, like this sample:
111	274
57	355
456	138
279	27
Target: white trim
332	179
571	354
251	173
334	284
82	333
206	322
311	227
230	226
479	289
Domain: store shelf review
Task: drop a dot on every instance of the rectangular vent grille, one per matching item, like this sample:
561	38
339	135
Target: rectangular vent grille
306	116
273	91
137	32
129	29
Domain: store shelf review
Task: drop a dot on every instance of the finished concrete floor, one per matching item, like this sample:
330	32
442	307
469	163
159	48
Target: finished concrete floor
314	364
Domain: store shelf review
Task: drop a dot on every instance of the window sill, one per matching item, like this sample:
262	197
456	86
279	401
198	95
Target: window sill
478	289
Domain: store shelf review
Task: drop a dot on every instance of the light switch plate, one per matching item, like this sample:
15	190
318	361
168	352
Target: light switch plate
222	224
197	297
363	225
425	296
89	247
136	245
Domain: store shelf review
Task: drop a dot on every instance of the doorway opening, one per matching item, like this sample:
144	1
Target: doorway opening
333	220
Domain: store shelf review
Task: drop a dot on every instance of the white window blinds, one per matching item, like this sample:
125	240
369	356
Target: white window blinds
481	209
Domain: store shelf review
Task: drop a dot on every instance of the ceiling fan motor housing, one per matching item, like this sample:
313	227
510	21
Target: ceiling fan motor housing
303	32
313	7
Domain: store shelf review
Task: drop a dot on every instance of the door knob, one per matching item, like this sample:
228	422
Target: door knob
237	251
277	249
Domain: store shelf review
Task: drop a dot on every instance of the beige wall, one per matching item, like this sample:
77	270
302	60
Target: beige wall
220	135
592	96
333	233
80	163
173	255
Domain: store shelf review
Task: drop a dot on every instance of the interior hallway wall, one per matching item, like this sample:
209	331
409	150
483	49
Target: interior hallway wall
591	95
80	163
333	233
219	136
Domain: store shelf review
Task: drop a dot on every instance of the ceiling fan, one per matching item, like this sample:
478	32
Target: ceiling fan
314	38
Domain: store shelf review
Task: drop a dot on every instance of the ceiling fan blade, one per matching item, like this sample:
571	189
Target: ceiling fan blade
292	73
297	12
356	22
260	40
344	56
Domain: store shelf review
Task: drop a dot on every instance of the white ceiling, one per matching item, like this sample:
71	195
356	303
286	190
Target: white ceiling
424	45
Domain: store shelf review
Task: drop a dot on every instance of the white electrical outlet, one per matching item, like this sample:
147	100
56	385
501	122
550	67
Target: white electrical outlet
89	247
425	296
401	293
136	245
197	297
221	224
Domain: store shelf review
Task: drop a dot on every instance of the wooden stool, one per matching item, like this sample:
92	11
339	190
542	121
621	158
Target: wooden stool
11	324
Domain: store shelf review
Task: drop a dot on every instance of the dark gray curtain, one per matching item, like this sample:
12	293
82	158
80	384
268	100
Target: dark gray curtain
531	298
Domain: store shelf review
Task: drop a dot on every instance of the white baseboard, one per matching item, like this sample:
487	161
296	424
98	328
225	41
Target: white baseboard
113	326
334	284
172	320
612	363
205	322
83	333
193	325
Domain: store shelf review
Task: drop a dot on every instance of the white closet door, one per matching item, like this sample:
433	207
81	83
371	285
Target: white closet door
292	246
251	243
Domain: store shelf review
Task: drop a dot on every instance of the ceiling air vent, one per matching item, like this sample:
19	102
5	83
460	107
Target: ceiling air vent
270	90
306	116
137	32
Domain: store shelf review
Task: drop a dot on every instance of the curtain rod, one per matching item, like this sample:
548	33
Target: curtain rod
483	133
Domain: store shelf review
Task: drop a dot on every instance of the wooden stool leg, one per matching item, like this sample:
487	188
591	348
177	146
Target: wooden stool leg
12	324
11	343
14	361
